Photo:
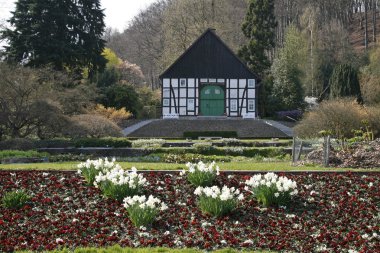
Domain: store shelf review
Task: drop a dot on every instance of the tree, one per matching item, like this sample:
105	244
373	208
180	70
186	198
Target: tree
370	78
344	82
286	71
27	103
259	27
65	34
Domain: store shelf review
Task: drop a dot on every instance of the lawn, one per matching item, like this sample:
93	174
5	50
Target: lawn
240	166
332	212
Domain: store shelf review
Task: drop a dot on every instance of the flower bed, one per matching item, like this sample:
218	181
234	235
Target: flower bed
332	213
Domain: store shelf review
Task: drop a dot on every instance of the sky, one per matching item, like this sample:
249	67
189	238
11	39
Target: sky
118	12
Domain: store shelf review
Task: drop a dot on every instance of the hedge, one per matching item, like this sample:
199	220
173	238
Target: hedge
197	134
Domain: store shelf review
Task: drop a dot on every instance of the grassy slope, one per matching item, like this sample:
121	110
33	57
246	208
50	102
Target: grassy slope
258	166
118	249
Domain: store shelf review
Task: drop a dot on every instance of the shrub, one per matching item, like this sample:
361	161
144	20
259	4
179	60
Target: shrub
118	183
197	134
193	158
234	150
91	168
218	202
201	174
339	117
94	126
271	190
286	115
148	143
231	142
55	143
21	154
118	116
142	211
17	144
103	142
15	199
203	148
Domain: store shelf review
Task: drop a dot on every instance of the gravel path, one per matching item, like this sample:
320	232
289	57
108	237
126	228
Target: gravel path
175	127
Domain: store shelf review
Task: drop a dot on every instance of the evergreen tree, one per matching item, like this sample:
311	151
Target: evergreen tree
286	70
344	82
259	27
66	34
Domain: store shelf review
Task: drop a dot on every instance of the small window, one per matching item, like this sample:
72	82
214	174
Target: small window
251	105
251	83
233	105
165	102
182	82
190	101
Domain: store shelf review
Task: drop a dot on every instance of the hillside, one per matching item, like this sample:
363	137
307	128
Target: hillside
357	30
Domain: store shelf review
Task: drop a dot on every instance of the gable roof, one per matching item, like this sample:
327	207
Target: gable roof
209	57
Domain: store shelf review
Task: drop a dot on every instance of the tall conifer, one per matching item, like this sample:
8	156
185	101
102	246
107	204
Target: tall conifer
259	27
66	34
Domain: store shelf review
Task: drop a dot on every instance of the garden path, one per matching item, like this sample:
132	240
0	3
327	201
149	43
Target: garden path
131	129
286	130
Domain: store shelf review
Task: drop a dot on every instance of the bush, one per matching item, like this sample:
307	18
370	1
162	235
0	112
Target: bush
15	199
103	142
193	158
201	174
91	168
197	134
339	117
142	211
21	154
94	126
203	148
17	144
218	202
118	116
148	143
271	190
288	115
118	183
55	143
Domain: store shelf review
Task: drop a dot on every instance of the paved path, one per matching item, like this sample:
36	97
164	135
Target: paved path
286	130
131	129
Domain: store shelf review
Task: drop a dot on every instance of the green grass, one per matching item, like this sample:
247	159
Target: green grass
251	166
118	249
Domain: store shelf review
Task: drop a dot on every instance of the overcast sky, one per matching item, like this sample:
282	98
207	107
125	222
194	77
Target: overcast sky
118	12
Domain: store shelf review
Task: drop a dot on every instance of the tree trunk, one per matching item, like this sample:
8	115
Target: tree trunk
374	8
366	25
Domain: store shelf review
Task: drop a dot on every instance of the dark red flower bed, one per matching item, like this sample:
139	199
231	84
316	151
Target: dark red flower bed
332	213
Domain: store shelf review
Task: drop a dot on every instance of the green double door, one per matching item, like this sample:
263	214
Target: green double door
212	101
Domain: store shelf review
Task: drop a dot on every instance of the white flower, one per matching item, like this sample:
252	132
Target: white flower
365	236
248	242
198	191
240	197
59	240
167	233
163	207
370	184
277	194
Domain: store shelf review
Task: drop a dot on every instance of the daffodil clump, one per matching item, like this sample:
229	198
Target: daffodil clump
201	174
142	211
272	190
118	183
91	168
218	201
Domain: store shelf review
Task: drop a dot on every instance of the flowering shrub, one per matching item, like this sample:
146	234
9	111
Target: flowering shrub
91	168
148	143
272	190
201	174
234	150
118	183
15	199
216	201
193	158
141	210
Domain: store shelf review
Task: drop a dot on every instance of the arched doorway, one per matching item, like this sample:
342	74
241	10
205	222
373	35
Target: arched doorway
212	101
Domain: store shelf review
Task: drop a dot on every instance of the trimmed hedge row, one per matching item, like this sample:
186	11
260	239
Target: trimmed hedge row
27	144
197	134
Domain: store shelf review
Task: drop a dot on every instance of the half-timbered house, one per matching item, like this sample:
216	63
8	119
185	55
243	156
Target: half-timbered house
208	79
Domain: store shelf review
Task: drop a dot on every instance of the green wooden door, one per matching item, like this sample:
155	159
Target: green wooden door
212	101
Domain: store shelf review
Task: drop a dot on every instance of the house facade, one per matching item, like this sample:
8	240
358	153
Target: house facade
208	79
